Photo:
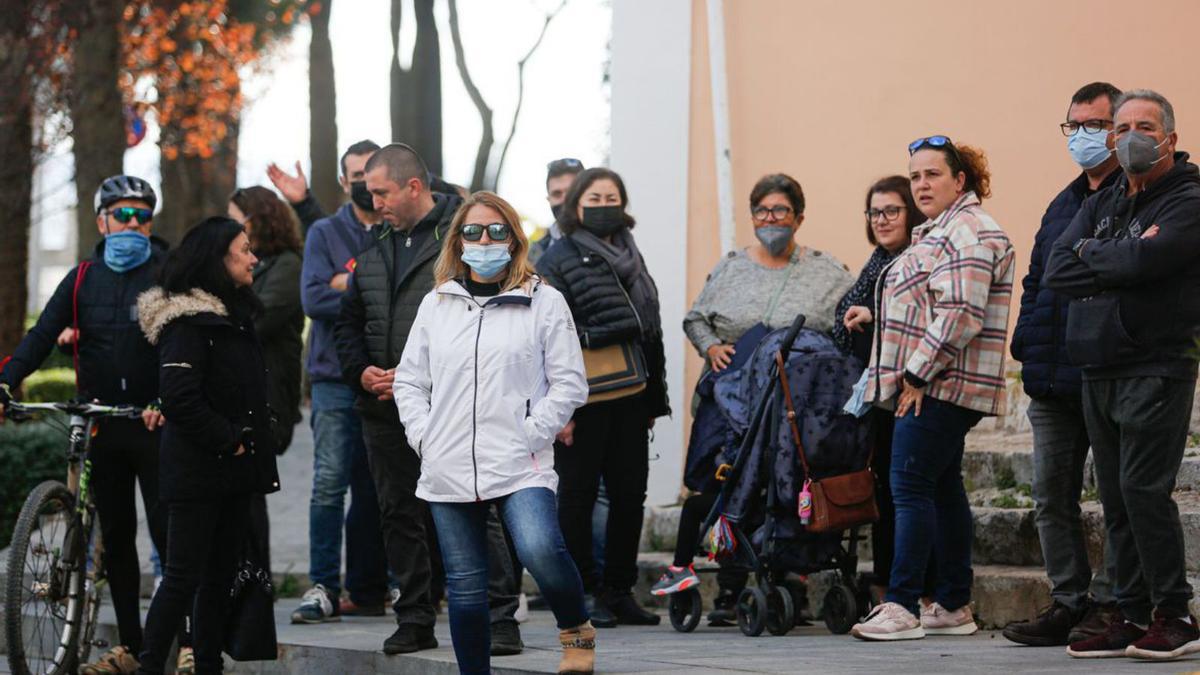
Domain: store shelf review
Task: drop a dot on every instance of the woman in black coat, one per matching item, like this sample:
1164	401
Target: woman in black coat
599	270
217	448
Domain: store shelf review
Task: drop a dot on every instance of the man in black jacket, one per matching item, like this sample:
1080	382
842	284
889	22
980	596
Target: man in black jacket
1060	440
1130	259
378	309
93	312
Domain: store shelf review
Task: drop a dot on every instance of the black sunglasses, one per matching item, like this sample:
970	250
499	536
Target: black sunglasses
496	231
127	213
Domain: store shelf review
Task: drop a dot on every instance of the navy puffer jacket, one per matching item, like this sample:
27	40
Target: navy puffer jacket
1040	338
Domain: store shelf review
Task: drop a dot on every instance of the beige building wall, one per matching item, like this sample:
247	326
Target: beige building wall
832	92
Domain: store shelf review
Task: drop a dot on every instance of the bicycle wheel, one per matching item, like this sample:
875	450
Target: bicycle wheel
44	597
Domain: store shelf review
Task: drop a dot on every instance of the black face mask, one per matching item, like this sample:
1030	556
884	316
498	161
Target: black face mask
603	221
361	196
557	211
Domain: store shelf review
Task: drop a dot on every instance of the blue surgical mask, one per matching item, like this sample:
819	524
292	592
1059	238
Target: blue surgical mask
1087	149
486	260
126	250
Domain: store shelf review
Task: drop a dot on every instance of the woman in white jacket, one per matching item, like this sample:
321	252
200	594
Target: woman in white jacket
492	370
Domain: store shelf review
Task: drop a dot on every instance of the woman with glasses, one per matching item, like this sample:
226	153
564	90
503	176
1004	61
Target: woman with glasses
938	363
600	271
492	370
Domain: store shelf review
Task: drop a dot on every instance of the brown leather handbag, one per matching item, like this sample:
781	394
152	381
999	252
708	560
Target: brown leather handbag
838	502
614	372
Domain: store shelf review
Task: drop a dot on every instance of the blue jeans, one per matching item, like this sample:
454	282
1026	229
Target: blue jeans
340	464
532	521
932	511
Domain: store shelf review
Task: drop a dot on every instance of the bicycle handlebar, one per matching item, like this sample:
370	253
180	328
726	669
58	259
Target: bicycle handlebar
17	411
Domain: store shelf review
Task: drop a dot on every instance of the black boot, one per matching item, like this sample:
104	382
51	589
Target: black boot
628	611
410	638
1050	628
602	617
506	639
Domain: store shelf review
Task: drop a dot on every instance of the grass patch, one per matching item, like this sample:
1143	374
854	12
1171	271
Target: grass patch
1005	479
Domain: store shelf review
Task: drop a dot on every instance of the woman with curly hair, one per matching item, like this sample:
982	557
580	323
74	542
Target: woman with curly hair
938	362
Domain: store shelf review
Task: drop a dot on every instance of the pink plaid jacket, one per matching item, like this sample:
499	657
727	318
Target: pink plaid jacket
945	311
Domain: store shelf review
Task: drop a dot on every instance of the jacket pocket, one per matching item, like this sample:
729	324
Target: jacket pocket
1096	335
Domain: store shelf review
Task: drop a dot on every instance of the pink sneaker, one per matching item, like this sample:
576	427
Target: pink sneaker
937	620
889	621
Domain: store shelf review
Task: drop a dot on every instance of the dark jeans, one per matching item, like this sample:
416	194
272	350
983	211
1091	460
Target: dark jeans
395	468
1060	447
124	453
687	540
533	524
1139	428
932	510
340	464
611	441
203	540
883	531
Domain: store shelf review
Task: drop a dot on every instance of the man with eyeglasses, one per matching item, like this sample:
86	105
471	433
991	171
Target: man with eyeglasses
1131	262
559	175
1083	604
93	314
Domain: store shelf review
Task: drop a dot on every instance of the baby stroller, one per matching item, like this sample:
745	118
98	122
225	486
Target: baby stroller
762	475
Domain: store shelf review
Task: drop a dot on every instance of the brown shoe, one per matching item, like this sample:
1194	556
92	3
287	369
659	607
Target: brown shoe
348	607
117	661
1094	622
579	650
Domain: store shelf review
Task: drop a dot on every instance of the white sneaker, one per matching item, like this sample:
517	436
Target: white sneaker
889	621
937	620
393	597
317	606
522	613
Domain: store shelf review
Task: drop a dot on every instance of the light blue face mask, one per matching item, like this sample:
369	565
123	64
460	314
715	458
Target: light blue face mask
486	260
126	250
1088	149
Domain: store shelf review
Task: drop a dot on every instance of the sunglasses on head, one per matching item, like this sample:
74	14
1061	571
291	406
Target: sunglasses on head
127	213
566	163
931	141
496	231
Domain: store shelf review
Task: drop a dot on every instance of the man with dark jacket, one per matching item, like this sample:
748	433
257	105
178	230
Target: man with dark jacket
339	455
378	309
1056	409
93	312
1130	261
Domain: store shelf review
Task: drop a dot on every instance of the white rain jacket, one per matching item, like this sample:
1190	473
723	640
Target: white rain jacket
483	389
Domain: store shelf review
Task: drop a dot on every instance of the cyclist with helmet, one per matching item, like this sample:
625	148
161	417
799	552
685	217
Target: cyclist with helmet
93	313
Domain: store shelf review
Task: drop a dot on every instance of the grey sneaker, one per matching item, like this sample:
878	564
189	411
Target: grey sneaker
317	605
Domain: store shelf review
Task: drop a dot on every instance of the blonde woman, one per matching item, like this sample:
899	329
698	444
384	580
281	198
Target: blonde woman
492	370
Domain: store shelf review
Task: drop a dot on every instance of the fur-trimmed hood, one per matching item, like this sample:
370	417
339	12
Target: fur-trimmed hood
156	309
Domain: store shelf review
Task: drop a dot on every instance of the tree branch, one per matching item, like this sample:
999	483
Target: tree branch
487	138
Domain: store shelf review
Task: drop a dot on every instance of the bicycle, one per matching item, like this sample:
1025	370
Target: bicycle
55	564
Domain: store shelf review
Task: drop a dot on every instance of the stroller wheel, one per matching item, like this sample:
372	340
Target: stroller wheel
841	609
752	611
685	609
781	612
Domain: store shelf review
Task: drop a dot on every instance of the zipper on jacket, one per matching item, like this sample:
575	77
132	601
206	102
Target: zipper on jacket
474	405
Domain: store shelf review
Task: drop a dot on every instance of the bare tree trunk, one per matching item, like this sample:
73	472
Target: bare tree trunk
322	126
16	171
195	188
479	177
97	119
416	94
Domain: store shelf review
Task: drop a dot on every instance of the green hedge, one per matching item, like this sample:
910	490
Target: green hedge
49	385
57	358
30	453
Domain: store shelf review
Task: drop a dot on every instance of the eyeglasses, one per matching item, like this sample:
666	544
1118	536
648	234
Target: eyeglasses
931	141
889	213
127	213
1088	126
495	231
775	212
565	164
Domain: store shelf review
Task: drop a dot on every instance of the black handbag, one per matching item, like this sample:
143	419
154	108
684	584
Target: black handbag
250	624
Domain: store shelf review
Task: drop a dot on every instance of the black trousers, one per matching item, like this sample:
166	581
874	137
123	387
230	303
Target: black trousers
611	440
204	540
1139	427
883	532
123	454
409	538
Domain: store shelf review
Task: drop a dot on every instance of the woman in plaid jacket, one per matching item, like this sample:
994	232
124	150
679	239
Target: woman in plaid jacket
938	361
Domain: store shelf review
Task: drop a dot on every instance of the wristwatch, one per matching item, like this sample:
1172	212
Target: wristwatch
1077	249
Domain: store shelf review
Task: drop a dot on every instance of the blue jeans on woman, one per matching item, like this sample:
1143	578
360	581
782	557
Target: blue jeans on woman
532	521
932	511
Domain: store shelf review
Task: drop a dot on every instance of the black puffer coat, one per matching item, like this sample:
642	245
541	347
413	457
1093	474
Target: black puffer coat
213	385
603	313
279	325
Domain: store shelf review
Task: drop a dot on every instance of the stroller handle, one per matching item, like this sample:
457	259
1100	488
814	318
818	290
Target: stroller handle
790	337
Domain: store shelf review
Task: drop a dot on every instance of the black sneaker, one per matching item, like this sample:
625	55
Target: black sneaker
506	639
724	611
1051	627
1167	639
1095	621
1111	644
410	638
602	616
629	612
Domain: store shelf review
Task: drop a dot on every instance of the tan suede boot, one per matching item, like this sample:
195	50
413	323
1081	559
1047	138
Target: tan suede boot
579	650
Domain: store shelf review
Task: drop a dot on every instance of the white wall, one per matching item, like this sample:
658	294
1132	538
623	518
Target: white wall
651	55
